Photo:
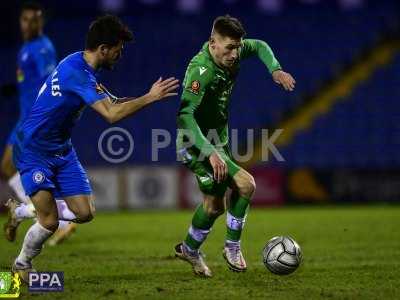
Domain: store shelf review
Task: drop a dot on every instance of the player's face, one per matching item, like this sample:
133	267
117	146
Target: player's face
31	23
111	55
226	50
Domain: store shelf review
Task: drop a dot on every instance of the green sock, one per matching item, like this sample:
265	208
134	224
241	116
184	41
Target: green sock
236	216
201	225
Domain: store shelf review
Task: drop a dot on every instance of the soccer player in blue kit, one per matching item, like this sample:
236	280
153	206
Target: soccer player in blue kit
36	61
43	153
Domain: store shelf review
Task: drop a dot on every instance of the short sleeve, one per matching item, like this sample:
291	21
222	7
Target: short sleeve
85	85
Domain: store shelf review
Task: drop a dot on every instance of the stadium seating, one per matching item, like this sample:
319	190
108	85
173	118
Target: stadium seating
361	132
312	44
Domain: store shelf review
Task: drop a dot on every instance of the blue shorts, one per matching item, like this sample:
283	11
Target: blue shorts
63	175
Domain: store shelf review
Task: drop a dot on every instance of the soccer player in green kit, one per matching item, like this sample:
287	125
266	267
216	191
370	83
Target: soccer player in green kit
202	142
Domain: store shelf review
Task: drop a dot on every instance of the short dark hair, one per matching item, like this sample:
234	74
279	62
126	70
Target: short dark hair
32	5
228	26
108	30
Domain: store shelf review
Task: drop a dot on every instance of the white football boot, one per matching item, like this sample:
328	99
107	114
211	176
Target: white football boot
194	258
234	257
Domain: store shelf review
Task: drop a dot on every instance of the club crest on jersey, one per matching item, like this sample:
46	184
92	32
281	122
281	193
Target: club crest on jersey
99	89
38	177
195	87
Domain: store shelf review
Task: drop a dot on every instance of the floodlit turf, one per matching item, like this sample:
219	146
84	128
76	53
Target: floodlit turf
349	253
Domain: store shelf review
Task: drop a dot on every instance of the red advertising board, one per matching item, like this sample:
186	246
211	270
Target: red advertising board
270	186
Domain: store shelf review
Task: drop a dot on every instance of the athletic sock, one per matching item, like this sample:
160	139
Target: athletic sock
64	213
25	211
62	224
199	229
15	183
33	243
236	217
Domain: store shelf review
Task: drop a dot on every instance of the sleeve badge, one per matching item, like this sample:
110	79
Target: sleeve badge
195	87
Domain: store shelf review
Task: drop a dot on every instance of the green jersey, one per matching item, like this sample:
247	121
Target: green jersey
206	92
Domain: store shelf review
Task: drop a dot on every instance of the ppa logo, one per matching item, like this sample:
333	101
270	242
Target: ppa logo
46	281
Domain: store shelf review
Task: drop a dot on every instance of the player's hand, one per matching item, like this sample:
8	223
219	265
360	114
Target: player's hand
284	79
219	166
164	88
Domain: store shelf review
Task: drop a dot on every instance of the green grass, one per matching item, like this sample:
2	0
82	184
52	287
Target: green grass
349	253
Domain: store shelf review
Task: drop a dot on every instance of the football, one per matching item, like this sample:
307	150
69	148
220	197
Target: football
282	255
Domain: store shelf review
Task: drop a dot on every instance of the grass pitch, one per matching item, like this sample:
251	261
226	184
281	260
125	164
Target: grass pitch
349	253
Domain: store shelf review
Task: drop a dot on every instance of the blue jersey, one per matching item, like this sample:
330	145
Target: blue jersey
36	60
61	100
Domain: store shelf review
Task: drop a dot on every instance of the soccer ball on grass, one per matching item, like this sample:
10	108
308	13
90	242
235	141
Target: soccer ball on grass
282	255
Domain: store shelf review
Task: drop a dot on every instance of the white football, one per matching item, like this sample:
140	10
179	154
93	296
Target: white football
282	255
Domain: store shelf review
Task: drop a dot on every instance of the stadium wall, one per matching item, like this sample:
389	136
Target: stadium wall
165	187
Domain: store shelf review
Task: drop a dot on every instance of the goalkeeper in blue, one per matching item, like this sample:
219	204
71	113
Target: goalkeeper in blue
43	152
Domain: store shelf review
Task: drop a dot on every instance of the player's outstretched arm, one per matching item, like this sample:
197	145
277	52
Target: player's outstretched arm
259	48
252	47
113	111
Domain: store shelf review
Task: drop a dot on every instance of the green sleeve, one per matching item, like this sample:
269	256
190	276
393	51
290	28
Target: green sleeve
263	51
196	80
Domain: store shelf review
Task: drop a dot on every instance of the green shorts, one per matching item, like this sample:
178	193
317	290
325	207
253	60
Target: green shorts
203	170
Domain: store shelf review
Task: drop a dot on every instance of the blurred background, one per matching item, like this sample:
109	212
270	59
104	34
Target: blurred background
341	125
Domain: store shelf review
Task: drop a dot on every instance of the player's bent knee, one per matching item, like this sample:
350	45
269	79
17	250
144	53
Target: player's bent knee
248	186
92	211
85	216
